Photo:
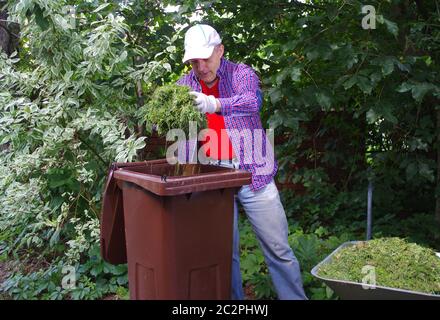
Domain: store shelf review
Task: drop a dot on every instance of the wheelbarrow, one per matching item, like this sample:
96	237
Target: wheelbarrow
349	290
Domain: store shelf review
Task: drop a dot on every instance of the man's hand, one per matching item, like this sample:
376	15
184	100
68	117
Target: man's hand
204	103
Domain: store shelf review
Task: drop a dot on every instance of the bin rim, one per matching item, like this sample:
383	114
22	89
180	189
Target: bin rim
328	281
176	185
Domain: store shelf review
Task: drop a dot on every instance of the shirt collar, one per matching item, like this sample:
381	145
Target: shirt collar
222	69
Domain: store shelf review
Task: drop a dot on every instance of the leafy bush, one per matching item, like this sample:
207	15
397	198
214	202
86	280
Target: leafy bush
67	103
93	279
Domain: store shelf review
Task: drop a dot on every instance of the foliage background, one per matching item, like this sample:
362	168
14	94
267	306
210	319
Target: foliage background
347	104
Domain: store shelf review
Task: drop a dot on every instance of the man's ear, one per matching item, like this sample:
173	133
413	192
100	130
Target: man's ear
221	50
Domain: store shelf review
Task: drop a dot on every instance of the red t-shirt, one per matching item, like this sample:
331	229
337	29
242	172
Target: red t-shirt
222	148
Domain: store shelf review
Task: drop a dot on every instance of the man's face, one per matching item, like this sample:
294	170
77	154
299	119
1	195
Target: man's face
206	69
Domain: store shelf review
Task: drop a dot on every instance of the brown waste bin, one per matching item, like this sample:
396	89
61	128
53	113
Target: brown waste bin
174	231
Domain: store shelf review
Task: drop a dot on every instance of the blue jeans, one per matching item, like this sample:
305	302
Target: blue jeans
267	217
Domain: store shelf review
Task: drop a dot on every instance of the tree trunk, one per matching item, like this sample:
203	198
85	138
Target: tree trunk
8	33
8	42
437	202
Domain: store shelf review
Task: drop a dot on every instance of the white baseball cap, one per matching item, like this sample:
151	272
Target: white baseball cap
200	41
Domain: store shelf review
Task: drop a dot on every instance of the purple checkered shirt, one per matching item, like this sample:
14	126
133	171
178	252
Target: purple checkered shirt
241	100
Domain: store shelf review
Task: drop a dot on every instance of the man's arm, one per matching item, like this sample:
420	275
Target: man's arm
247	98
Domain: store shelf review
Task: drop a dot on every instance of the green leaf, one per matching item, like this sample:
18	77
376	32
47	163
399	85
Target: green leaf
321	50
426	172
332	12
350	82
167	66
372	116
417	144
295	74
391	27
102	6
60	21
411	171
419	90
289	46
122	280
428	60
55	183
388	115
387	66
171	49
403	67
404	87
275	95
280	77
123	56
292	123
250	264
364	84
276	119
324	100
55	237
376	77
40	19
97	269
120	269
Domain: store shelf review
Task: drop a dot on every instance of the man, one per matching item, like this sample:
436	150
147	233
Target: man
230	96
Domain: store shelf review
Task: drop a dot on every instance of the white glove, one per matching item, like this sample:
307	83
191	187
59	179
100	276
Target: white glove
204	103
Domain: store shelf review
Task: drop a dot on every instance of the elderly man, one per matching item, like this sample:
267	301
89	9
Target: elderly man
230	96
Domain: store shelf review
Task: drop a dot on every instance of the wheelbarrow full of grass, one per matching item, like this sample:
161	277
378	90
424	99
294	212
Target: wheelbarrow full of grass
381	269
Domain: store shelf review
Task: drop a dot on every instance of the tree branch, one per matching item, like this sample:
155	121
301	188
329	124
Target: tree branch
93	151
8	31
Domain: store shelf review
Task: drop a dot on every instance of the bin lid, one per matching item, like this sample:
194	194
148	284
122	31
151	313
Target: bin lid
113	248
155	177
112	222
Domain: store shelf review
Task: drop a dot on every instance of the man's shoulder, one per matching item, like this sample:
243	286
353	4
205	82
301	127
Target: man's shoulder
237	69
185	80
236	65
185	77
